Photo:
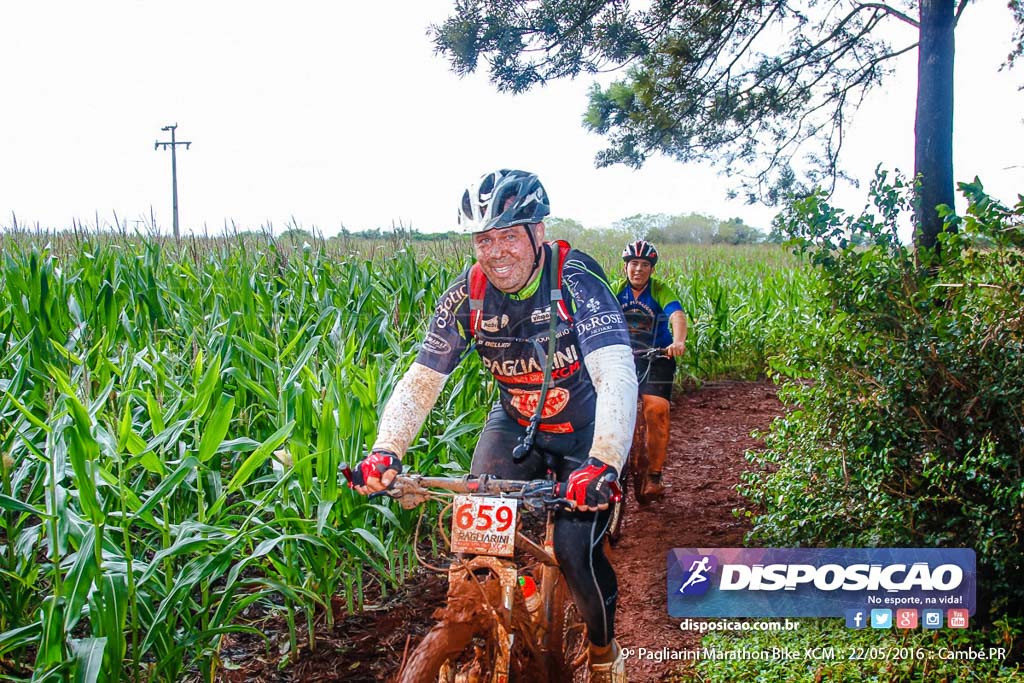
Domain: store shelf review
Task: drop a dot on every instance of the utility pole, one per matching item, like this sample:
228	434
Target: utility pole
174	170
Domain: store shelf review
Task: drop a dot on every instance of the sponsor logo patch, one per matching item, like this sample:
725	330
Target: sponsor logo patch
494	324
435	343
444	314
526	401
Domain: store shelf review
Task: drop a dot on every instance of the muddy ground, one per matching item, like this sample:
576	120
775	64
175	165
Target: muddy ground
710	432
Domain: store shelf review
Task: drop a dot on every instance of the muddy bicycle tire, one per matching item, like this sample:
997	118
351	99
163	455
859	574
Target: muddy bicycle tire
465	639
618	509
639	462
634	472
567	661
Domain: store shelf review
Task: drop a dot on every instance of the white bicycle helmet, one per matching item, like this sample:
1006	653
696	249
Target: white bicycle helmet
485	203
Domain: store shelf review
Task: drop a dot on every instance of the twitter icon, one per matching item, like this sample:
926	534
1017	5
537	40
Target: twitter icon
881	618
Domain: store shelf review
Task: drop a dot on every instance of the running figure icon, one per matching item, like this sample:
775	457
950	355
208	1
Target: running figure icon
697	571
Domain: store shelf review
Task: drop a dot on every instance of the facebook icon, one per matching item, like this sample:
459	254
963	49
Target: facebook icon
856	618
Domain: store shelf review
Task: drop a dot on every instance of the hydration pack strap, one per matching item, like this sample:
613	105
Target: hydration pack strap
478	287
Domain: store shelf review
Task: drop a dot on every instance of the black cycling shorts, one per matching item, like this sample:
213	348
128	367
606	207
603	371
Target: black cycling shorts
656	377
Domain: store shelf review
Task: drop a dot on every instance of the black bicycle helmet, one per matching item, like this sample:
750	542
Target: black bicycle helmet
485	203
641	249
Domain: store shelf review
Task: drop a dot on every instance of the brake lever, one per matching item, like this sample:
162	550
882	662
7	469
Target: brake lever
560	504
616	491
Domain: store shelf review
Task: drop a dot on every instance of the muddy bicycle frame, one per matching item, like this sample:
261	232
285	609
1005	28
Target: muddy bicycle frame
412	490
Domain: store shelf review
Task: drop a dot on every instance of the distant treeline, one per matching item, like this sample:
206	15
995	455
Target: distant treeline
692	228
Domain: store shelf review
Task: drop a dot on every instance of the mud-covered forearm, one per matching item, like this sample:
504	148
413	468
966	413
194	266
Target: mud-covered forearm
614	376
407	409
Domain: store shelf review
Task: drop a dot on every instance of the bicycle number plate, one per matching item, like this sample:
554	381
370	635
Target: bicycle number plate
484	526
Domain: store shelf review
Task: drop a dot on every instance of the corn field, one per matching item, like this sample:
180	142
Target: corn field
173	417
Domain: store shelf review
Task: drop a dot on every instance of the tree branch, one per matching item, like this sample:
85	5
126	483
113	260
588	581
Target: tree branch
895	12
959	10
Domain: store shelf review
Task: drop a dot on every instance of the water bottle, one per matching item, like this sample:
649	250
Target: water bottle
530	594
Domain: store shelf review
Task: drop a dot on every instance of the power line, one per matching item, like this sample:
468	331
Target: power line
174	170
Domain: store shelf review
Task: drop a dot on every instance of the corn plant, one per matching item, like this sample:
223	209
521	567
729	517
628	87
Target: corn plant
173	416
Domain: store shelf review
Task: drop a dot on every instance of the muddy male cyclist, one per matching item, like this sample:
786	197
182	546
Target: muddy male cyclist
581	431
656	320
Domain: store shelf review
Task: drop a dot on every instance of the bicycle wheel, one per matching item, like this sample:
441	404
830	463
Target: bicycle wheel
567	645
465	643
618	510
638	455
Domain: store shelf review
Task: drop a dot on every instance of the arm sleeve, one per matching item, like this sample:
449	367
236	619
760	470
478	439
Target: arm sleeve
614	376
407	409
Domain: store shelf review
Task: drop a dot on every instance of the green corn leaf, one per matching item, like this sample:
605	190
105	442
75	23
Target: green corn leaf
15	505
169	485
257	457
290	346
216	428
371	540
36	422
254	352
183	546
150	460
302	360
108	613
50	652
247	383
18	638
89	659
156	417
205	390
79	580
83	450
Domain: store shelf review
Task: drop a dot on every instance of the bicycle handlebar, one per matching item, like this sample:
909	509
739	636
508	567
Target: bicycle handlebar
651	353
412	490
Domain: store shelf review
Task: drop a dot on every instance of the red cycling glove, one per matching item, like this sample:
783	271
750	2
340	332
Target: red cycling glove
375	465
592	484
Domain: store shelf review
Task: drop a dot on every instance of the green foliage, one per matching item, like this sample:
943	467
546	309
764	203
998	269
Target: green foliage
173	416
172	419
910	431
759	88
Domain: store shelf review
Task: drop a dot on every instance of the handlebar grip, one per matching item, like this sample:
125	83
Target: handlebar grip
616	494
561	488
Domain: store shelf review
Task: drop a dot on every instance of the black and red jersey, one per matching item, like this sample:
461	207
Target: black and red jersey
512	340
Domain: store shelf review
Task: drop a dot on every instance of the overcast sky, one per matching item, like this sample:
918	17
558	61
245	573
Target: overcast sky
339	113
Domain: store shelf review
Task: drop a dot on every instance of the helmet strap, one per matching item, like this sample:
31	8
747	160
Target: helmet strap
537	249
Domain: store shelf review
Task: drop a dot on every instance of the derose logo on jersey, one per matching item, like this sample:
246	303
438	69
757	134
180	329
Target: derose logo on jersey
706	582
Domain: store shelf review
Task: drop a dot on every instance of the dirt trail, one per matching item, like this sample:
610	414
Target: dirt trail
709	434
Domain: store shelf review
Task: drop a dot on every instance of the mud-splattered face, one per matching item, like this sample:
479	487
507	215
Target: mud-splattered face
506	255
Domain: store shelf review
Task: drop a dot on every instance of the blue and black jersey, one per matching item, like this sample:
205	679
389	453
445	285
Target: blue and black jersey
513	335
647	315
